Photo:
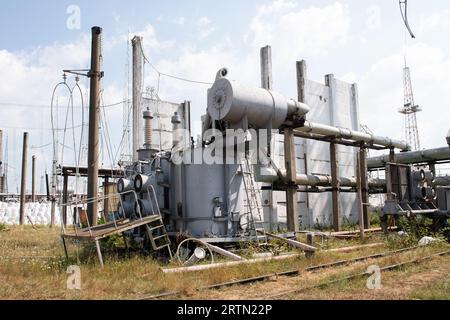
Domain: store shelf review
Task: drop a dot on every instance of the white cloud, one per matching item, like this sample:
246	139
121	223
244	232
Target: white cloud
439	21
381	94
373	17
204	26
179	20
28	77
294	31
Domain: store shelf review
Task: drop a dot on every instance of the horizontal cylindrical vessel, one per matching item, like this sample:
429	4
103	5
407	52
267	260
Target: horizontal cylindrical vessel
269	175
124	184
230	101
412	157
313	180
326	130
142	182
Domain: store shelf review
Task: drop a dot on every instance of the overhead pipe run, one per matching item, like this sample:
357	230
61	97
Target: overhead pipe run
421	156
269	175
357	136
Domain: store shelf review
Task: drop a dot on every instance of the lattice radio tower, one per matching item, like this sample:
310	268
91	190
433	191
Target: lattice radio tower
409	110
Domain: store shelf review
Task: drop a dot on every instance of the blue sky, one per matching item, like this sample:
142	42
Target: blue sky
358	41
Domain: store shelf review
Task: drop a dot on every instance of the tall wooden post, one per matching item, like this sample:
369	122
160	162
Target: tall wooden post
266	67
336	199
391	155
95	75
137	95
359	187
291	187
65	198
23	184
33	178
106	198
364	186
2	179
290	158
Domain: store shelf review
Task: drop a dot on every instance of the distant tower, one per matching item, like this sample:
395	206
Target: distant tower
409	110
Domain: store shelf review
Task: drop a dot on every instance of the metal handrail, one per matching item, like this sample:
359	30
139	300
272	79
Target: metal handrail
84	202
154	197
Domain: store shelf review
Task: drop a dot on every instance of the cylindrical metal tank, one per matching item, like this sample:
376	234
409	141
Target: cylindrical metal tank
124	184
142	182
230	101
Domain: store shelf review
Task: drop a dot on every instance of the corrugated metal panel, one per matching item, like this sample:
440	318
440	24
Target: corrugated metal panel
162	125
339	109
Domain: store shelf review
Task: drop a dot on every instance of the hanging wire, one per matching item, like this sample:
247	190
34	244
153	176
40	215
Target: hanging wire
78	157
106	134
62	83
404	13
169	75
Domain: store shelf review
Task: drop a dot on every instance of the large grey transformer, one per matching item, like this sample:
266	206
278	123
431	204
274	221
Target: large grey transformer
222	200
199	199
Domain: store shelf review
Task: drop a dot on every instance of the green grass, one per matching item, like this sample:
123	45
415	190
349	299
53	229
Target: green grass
33	266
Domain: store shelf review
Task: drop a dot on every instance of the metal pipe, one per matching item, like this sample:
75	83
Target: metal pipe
412	157
95	75
24	178
269	175
344	133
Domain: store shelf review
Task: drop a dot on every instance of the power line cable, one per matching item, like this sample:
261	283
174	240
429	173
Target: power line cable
404	13
169	75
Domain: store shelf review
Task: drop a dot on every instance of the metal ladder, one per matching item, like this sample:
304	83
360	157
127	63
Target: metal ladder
253	202
156	230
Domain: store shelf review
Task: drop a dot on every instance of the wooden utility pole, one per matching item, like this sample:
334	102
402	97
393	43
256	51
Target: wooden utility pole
137	95
291	187
290	158
359	187
95	75
65	198
2	178
23	184
364	186
335	194
266	67
33	178
106	199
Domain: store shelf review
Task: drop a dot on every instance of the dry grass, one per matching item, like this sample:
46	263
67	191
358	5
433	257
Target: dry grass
33	266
